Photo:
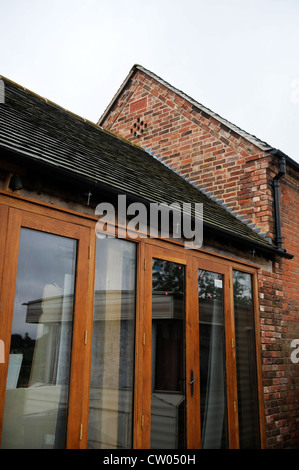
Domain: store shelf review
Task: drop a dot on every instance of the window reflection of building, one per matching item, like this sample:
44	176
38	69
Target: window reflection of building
168	356
214	430
113	346
111	386
246	361
39	361
39	372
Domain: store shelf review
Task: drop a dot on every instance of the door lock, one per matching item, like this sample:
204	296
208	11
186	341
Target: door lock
192	380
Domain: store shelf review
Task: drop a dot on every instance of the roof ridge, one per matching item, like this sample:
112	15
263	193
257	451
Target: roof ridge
247	135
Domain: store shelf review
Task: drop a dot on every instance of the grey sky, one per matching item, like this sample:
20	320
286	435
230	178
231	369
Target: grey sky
239	58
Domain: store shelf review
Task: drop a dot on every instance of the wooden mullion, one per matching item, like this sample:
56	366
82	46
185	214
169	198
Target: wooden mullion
138	434
147	351
80	362
10	250
192	356
231	368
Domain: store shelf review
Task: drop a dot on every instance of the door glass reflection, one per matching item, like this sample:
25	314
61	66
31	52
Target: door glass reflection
168	356
246	362
113	346
214	433
39	363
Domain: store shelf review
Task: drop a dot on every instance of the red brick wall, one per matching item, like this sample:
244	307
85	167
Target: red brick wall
280	324
289	416
239	173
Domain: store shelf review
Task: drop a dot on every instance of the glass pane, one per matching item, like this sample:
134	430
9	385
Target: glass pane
214	432
246	361
39	363
168	356
113	346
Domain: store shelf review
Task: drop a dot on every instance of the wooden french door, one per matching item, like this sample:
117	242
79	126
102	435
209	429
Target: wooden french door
43	316
169	401
216	352
188	363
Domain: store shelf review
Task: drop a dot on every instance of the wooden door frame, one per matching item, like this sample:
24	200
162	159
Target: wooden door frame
193	260
230	358
79	374
252	269
143	415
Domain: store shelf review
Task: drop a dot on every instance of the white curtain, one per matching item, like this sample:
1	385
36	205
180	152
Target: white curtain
212	427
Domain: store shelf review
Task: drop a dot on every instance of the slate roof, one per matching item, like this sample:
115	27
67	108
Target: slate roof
43	132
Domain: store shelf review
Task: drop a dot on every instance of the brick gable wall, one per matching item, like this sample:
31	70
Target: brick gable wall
223	163
240	174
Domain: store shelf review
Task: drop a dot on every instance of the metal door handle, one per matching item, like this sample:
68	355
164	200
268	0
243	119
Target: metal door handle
192	380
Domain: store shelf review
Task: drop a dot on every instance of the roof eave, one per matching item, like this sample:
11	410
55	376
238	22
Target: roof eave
96	185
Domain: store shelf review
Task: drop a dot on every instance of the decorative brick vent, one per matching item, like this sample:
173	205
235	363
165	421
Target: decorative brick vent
138	127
